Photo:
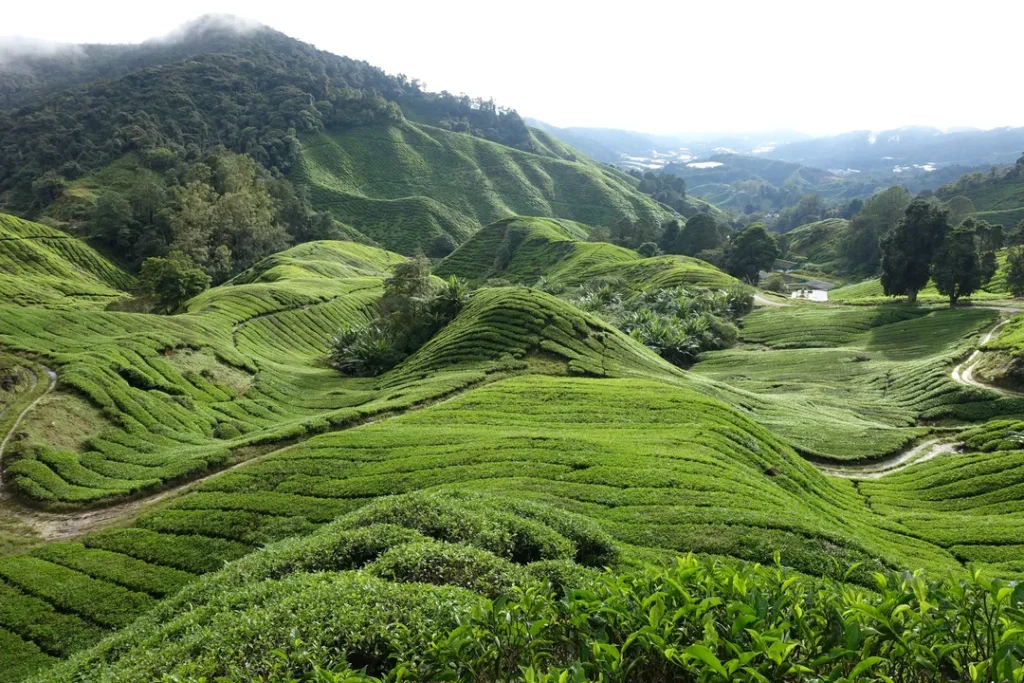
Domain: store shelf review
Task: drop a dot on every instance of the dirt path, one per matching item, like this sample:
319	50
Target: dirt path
21	416
964	372
59	526
761	300
923	452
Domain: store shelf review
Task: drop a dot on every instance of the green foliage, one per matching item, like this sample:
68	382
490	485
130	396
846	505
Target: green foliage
171	281
696	620
677	324
700	233
1015	273
43	266
775	283
412	310
956	270
859	245
405	186
523	250
668	189
908	249
751	251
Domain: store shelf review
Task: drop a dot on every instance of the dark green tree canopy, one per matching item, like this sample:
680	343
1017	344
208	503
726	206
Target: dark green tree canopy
957	270
700	233
752	250
171	281
908	249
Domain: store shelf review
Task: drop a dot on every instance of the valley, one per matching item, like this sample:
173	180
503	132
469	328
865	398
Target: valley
308	373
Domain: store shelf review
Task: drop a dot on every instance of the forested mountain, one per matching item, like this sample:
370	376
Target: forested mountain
340	149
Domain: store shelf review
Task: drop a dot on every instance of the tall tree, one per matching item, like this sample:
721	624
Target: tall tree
1015	270
957	271
907	249
171	281
751	251
858	245
700	232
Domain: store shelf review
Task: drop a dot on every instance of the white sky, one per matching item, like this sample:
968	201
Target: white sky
660	67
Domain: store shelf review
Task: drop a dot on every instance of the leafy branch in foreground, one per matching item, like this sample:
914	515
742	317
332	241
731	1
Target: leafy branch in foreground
708	621
412	310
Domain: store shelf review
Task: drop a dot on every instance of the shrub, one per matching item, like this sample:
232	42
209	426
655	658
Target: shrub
774	283
412	310
454	564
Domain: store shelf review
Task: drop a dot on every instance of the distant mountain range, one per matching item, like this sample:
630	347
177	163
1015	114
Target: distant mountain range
886	153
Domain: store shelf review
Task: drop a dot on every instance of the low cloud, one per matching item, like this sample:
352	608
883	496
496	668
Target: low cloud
210	23
14	50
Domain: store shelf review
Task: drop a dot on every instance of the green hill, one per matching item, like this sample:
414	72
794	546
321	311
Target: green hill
405	185
527	440
815	243
522	250
43	266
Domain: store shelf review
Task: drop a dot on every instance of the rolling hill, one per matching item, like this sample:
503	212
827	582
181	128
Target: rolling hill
527	441
533	492
523	250
405	185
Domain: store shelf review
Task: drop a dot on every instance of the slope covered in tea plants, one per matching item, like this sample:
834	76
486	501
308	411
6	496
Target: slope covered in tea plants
41	266
405	185
856	383
523	250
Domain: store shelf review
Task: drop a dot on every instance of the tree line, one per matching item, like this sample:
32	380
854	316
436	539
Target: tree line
923	246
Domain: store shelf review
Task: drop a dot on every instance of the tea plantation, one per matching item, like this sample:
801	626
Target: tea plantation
406	184
510	501
523	250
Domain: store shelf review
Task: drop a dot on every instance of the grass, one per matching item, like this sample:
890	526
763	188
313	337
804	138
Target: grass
854	383
403	186
523	250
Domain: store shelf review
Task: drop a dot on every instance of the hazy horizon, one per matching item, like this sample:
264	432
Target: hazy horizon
734	69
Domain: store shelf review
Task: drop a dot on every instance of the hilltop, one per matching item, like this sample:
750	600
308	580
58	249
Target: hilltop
524	250
114	116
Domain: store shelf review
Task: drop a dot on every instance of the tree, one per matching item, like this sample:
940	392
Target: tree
751	251
112	217
957	270
1015	270
908	248
171	281
700	232
669	235
774	283
1016	235
48	187
648	249
859	244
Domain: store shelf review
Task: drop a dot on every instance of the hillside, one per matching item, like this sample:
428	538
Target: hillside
436	183
309	374
43	266
816	243
527	440
523	250
998	200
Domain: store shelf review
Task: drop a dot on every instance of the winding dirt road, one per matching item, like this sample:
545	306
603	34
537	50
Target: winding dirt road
964	372
58	526
923	452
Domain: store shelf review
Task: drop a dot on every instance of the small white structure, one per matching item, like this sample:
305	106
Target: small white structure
810	294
